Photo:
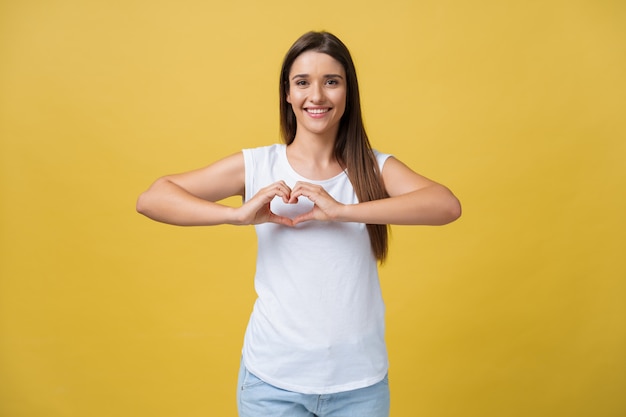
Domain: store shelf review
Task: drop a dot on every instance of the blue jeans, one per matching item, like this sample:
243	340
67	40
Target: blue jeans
256	398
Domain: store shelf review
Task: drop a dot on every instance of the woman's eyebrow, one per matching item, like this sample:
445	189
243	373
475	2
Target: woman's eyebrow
325	76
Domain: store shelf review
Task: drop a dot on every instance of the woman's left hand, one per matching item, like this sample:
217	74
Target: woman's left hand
325	207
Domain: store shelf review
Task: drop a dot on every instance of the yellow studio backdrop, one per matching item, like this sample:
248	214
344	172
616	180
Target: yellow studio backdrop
517	309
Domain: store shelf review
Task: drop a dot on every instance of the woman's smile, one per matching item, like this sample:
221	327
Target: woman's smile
317	112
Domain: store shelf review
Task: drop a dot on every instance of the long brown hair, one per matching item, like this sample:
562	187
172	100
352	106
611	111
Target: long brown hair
352	147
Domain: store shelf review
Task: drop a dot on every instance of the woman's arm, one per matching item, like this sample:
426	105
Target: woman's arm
190	199
413	200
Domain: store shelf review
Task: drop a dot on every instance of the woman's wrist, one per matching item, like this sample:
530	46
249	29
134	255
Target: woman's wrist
234	216
345	213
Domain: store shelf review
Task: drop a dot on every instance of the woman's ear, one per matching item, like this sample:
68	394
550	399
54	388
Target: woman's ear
286	84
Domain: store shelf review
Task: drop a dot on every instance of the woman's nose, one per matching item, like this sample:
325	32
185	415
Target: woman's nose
317	93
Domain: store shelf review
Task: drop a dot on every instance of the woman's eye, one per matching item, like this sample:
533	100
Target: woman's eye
301	82
332	82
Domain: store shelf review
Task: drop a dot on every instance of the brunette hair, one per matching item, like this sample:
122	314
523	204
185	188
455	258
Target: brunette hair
352	147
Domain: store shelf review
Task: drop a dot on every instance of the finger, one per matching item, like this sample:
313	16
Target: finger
301	189
313	195
285	221
293	198
276	190
283	191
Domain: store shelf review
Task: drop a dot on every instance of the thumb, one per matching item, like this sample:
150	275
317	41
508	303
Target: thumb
285	221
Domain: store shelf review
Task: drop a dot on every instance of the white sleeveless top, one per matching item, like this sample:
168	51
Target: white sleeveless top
317	326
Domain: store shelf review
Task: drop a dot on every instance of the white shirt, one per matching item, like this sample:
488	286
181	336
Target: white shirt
317	326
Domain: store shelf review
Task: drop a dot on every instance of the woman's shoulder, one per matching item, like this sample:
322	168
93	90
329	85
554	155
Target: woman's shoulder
273	148
381	157
264	155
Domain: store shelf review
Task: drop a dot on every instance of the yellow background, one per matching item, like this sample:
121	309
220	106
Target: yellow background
517	309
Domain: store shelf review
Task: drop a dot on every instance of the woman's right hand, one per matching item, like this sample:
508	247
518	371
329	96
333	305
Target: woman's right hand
257	210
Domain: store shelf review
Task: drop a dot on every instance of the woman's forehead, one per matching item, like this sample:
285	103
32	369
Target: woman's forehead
313	62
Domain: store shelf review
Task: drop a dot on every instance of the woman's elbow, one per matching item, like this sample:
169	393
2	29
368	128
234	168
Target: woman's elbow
147	201
142	205
451	210
454	209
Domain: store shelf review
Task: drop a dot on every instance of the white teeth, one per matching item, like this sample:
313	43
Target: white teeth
317	111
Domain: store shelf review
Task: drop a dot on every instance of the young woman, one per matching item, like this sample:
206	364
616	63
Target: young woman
320	204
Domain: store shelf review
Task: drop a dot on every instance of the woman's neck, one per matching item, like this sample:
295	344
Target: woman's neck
313	157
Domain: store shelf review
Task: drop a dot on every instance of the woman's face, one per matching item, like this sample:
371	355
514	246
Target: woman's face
317	93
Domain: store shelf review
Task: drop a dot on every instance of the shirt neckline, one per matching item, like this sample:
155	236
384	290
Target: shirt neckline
283	155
